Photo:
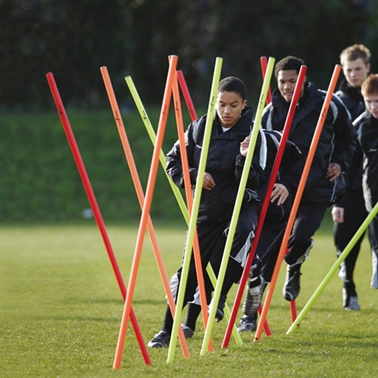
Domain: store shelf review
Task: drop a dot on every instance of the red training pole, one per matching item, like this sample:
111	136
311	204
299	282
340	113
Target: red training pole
293	309
264	64
266	202
298	196
146	208
186	94
94	205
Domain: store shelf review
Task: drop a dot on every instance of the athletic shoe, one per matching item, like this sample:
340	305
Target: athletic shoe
247	323
219	315
353	304
252	300
160	340
292	285
350	301
188	332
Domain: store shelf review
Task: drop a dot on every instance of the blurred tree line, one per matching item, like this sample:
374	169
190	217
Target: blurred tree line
74	38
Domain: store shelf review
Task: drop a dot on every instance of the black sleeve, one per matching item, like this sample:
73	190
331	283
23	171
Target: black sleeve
291	167
173	160
345	136
257	170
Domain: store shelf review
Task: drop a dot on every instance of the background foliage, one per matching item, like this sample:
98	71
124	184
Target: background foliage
40	180
74	38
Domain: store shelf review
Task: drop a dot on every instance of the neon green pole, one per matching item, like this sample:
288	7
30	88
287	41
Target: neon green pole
196	203
175	189
238	203
152	135
334	267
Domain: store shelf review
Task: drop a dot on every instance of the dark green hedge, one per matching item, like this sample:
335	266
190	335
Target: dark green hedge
40	180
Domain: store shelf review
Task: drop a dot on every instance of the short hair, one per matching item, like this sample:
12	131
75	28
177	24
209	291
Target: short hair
233	84
354	52
288	63
370	85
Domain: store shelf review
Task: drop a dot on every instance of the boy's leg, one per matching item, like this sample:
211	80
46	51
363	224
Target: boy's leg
354	215
256	284
373	229
307	222
208	236
240	249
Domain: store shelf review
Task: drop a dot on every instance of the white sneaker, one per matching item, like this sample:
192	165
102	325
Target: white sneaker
350	302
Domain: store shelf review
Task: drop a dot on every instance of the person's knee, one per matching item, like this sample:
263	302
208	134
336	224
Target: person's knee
244	232
298	250
299	245
234	270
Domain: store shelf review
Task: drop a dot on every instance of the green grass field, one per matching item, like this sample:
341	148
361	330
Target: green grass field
61	309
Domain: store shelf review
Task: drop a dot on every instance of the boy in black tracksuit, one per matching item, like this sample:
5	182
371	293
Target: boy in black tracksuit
279	208
231	125
349	213
332	157
367	134
275	219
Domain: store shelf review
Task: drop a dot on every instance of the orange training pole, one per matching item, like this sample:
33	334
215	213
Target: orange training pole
140	195
94	205
146	208
297	199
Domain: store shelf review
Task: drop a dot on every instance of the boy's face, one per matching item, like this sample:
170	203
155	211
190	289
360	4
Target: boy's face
371	103
355	72
229	107
286	80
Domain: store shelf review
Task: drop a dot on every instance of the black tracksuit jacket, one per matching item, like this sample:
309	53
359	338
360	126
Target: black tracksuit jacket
336	144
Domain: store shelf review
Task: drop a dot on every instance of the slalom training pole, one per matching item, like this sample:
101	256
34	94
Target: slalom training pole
335	267
188	192
140	195
293	308
146	208
186	94
298	196
263	62
175	189
151	133
265	205
209	268
94	205
237	206
195	207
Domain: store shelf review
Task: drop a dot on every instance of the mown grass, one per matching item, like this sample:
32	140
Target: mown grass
61	310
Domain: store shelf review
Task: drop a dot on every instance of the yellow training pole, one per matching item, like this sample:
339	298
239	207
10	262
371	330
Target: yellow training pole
146	209
151	133
175	189
196	202
334	268
238	203
188	192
